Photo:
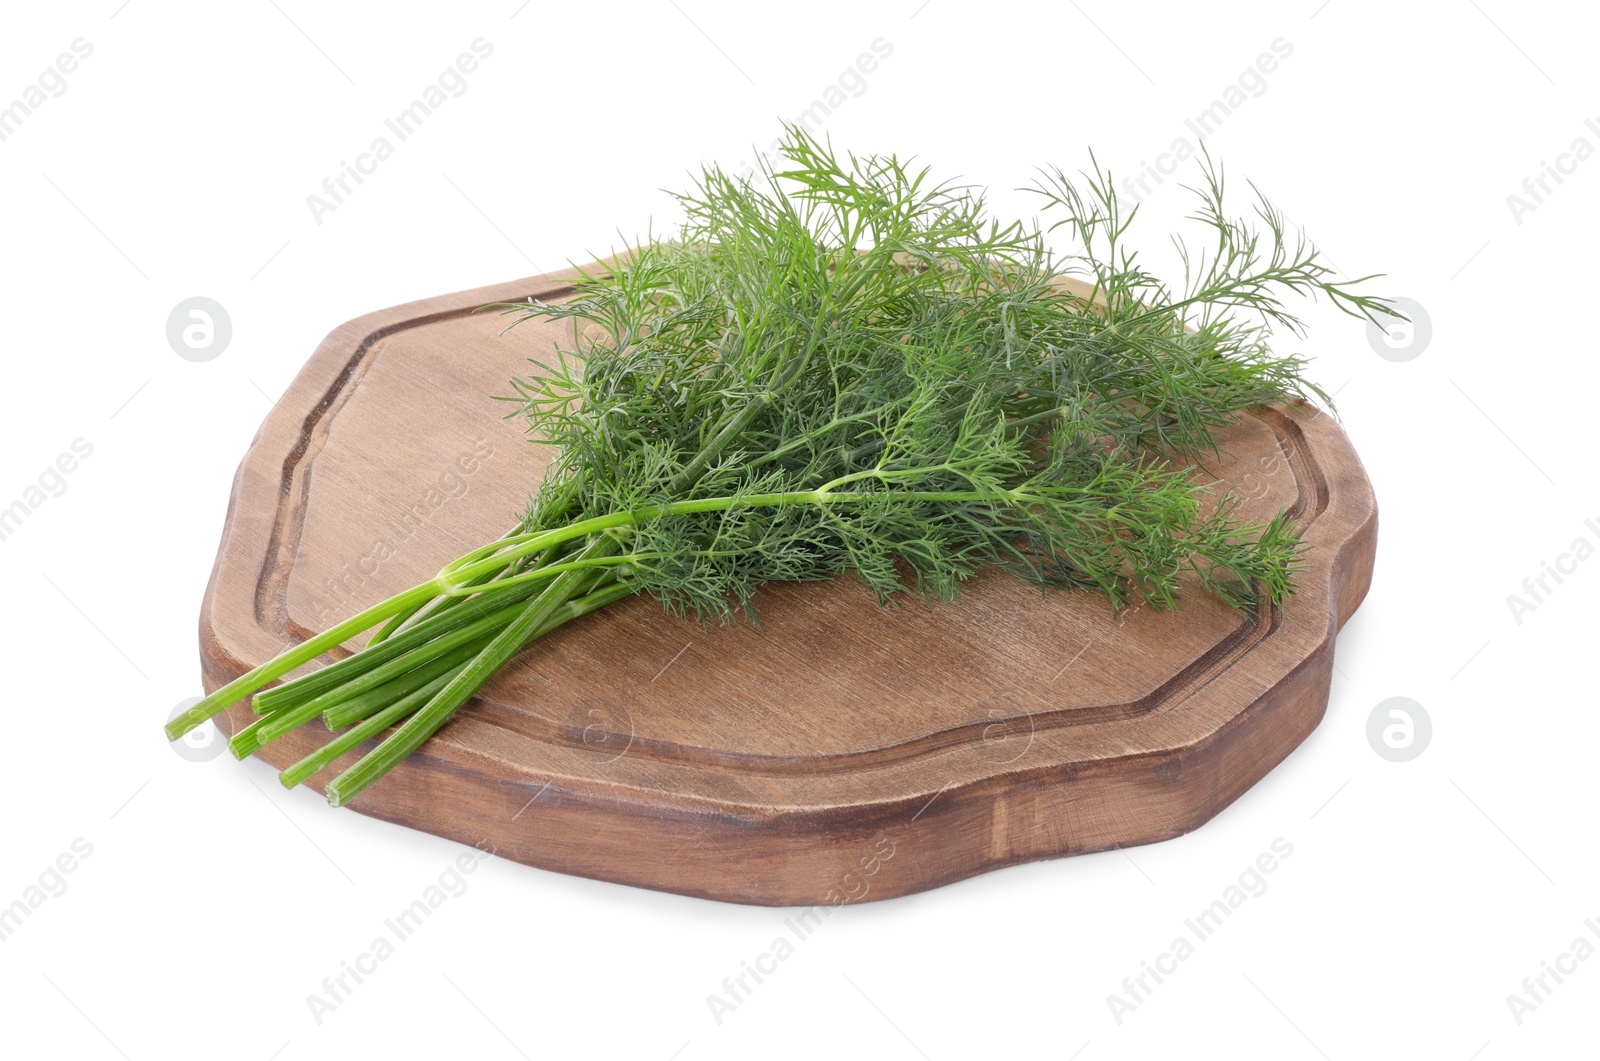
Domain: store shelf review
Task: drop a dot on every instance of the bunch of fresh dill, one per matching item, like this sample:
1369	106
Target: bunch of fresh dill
844	367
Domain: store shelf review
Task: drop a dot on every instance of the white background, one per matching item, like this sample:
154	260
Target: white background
177	163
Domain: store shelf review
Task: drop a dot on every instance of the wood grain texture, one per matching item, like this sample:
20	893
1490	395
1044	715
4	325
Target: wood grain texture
838	752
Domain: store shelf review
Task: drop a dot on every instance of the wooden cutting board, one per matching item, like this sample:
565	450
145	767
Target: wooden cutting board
838	752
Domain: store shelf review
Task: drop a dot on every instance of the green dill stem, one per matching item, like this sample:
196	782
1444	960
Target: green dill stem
398	620
492	549
1023	422
439	710
285	662
825	494
367	728
552	570
339	715
268	728
298	691
278	723
409	618
691	472
412	616
344	705
374	724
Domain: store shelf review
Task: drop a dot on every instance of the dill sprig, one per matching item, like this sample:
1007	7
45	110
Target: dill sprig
840	368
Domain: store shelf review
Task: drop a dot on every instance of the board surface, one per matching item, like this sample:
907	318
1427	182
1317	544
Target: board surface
838	752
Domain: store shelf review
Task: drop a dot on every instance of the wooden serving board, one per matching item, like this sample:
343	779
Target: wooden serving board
838	752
